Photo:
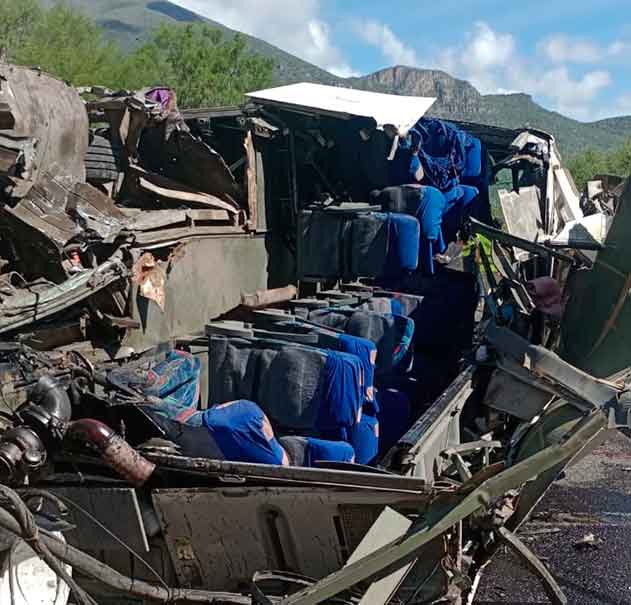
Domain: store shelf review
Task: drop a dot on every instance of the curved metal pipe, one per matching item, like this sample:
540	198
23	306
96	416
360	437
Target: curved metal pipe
52	397
114	450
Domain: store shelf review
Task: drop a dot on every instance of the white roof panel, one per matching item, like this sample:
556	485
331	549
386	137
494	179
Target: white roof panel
386	110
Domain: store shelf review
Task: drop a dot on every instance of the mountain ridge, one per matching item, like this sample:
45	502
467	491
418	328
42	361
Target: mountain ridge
129	22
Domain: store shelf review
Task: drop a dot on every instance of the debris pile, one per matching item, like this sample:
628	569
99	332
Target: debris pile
219	323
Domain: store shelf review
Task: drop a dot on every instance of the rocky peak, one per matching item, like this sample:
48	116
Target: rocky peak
454	97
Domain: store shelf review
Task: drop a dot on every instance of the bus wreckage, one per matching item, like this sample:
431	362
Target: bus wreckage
283	353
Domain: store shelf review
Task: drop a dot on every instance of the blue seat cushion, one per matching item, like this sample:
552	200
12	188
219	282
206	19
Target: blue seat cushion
473	157
390	332
364	437
175	381
306	451
403	244
244	433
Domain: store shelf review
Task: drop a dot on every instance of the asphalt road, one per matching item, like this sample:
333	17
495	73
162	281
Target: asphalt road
594	497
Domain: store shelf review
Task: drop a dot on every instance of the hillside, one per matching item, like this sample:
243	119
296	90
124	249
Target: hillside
459	100
129	21
615	125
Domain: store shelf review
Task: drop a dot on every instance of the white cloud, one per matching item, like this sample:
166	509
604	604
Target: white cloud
482	59
297	30
491	61
572	96
486	48
565	49
379	35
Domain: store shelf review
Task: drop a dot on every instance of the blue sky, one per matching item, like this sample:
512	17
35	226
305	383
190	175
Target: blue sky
573	56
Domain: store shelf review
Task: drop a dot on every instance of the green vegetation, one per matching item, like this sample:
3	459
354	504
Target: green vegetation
203	68
195	59
591	162
132	24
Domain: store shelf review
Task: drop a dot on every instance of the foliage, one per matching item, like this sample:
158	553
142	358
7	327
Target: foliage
202	66
16	22
68	44
592	162
195	59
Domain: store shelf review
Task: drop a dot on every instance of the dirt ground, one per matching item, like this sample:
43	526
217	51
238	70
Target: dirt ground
594	497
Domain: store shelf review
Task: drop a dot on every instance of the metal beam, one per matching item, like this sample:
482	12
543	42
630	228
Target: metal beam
441	519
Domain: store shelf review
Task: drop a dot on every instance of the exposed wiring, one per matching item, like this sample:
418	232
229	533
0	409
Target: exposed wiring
30	534
130	550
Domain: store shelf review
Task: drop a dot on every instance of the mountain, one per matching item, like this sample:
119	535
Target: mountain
129	22
460	100
615	125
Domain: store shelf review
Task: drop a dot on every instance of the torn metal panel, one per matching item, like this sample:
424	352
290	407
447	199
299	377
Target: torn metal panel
394	111
389	526
522	213
543	368
253	529
506	393
33	97
173	191
441	518
28	307
60	210
586	233
189	161
595	330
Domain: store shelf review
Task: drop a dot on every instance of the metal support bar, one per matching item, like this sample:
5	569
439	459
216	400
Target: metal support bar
441	518
518	242
461	467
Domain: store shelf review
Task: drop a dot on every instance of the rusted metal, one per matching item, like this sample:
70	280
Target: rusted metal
114	450
267	298
150	278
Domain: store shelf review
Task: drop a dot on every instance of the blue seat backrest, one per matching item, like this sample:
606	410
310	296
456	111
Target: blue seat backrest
302	389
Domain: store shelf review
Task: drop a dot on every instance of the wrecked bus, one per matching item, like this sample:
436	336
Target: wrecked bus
284	353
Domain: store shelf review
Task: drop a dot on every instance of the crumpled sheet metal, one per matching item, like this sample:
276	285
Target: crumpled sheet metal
150	278
177	193
61	209
150	127
28	307
156	102
57	146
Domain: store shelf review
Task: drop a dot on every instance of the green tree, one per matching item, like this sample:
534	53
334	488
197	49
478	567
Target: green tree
591	162
202	66
585	165
17	19
619	161
65	42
